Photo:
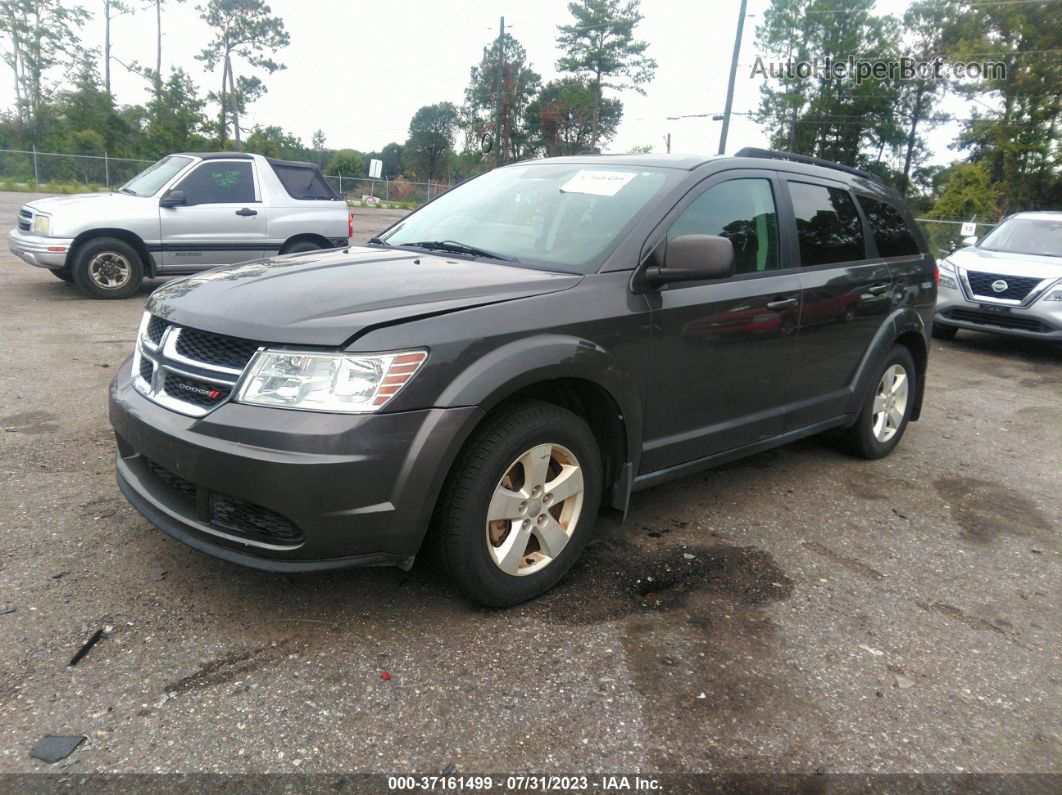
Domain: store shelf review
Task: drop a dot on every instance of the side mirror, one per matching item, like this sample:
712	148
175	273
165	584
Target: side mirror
694	258
173	198
970	241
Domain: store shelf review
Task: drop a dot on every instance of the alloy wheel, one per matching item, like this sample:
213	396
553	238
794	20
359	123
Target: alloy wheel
110	270
534	509
890	402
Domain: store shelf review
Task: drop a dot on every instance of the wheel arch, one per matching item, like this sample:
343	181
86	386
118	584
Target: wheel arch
126	236
310	237
903	327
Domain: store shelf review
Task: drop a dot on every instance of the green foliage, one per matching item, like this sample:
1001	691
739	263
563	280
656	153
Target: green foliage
346	162
563	117
519	83
642	149
244	29
431	138
272	141
967	195
599	46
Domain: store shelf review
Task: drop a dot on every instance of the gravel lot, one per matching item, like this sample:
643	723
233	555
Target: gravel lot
835	615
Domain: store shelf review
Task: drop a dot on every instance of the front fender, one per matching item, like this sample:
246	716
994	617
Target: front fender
504	371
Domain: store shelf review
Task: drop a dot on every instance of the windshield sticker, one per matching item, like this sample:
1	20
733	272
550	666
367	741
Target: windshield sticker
598	183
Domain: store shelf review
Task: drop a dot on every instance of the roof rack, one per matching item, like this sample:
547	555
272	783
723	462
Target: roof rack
751	151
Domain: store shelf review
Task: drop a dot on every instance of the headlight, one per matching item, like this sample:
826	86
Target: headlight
946	266
1055	295
41	224
328	381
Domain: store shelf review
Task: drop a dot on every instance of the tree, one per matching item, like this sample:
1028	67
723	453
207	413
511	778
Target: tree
157	75
600	47
562	116
391	155
346	162
39	34
111	8
177	122
518	86
431	136
272	141
318	146
820	114
248	30
1018	139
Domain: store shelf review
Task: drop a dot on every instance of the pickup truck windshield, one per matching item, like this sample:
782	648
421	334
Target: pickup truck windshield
148	181
562	216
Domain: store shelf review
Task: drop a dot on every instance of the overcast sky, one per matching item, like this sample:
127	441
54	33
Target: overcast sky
359	70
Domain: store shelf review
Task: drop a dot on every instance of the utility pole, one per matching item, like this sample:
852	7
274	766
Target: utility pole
667	142
498	90
733	75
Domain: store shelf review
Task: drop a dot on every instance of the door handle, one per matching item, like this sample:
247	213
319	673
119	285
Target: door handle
783	303
878	289
247	212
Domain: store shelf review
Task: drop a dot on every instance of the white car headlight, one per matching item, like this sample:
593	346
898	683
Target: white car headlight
946	266
344	382
1054	295
41	224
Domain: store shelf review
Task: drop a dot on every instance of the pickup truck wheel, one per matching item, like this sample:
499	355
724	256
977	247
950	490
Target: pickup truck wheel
108	268
887	409
519	504
64	274
300	245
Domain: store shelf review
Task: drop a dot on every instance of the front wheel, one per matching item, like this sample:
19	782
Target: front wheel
519	504
108	268
887	409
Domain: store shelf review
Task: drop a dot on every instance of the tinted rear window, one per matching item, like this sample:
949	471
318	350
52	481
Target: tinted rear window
891	234
828	226
303	183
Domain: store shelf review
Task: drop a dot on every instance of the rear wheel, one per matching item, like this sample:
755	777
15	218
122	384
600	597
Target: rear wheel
108	268
942	332
519	504
887	409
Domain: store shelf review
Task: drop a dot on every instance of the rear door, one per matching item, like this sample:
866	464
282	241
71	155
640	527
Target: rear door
222	221
846	296
723	351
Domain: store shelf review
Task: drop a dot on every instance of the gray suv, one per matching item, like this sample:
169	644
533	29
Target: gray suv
186	213
1008	283
538	343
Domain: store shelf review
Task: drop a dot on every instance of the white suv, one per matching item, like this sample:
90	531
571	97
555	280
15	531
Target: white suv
1008	283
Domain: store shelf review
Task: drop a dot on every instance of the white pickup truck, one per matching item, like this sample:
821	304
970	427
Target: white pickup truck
185	213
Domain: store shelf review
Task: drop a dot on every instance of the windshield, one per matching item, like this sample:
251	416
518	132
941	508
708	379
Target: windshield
562	216
1041	236
148	181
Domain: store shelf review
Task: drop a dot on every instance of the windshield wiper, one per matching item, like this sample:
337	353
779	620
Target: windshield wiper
460	248
377	241
126	190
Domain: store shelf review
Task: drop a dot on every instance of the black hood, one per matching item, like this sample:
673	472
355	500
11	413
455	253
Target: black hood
326	298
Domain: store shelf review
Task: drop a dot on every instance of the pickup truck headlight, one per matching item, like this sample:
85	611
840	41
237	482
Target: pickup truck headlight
41	224
344	382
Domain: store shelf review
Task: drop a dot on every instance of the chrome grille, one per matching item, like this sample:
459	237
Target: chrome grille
25	219
188	370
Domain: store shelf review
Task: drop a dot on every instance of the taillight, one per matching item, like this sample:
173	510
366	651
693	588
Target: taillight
350	225
936	276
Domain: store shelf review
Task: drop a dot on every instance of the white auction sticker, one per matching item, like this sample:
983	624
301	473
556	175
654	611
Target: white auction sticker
598	183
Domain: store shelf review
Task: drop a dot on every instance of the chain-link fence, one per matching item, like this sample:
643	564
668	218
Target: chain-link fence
386	192
946	236
31	170
51	172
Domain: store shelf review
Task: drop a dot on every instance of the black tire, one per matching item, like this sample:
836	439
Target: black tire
121	256
64	274
862	439
300	246
460	529
942	332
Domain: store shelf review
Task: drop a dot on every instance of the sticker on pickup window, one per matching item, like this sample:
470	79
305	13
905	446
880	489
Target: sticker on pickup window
598	183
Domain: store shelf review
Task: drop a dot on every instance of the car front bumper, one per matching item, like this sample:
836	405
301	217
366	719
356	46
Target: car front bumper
286	490
1041	320
44	252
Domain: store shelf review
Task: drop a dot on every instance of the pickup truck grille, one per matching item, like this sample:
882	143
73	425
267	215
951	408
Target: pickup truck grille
25	218
189	370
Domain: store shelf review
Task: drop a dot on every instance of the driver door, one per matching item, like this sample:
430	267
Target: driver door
222	220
